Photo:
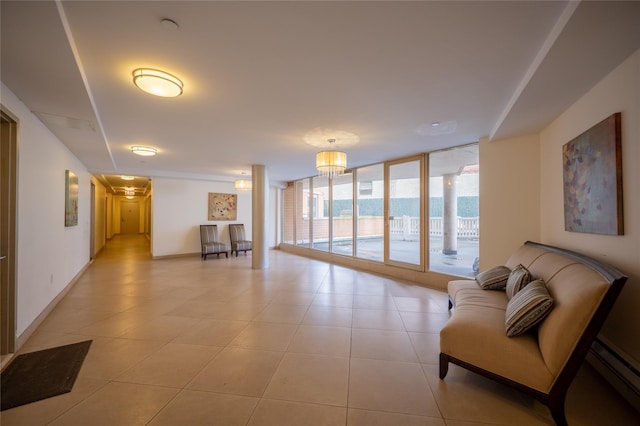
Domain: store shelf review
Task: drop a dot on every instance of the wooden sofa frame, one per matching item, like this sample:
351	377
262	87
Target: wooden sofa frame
555	398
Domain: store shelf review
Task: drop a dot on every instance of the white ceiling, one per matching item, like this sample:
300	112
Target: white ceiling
258	76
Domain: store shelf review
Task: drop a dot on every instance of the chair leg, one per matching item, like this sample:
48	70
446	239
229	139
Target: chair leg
226	253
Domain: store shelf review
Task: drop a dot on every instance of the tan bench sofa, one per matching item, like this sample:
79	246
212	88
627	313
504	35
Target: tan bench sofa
543	361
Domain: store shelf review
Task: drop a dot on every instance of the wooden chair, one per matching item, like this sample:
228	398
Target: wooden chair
210	242
238	239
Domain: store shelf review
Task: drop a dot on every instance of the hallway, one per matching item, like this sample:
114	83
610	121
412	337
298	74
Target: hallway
182	341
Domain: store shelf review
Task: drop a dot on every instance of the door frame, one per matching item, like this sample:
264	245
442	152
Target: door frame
8	222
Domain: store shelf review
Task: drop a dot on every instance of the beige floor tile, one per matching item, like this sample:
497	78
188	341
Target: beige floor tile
427	346
310	378
238	371
372	288
239	311
173	365
118	404
330	316
211	332
283	314
164	328
287	413
265	336
390	386
377	319
343	287
331	299
109	357
321	340
293	298
44	411
466	396
424	322
364	301
196	408
378	418
419	304
383	345
115	325
71	320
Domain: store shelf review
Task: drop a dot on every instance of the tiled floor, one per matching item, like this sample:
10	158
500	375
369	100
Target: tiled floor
186	342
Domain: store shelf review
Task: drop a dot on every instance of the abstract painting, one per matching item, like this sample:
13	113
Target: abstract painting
70	198
222	206
592	175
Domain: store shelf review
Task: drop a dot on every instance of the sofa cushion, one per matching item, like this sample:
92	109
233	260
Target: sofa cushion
527	308
519	277
494	278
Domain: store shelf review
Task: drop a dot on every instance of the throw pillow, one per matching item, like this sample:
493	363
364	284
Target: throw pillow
527	308
519	277
494	278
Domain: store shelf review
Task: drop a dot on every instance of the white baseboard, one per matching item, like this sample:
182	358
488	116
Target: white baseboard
623	376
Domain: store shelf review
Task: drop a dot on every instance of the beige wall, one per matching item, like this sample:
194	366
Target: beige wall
100	216
509	197
620	91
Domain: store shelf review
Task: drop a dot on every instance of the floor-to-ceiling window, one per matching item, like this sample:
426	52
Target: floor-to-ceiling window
454	210
342	214
370	212
404	198
302	213
288	215
381	212
320	213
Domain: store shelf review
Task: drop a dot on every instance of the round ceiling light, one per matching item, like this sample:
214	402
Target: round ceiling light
158	83
145	151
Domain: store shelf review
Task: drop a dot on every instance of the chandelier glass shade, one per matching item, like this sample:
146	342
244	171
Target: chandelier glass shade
331	163
243	185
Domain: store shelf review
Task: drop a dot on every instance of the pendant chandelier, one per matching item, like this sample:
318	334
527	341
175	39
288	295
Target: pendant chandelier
331	163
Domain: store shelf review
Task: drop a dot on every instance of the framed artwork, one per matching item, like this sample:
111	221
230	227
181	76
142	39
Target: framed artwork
70	198
222	206
592	176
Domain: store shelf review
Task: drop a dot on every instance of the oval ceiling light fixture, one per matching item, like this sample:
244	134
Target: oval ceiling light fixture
158	83
127	177
145	151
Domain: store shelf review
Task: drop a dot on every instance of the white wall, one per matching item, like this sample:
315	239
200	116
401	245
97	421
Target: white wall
49	254
618	92
180	206
509	197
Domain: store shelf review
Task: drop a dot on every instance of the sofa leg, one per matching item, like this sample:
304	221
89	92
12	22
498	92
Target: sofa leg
556	406
444	365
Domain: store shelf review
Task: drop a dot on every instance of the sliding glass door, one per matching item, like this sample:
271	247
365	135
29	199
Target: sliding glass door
404	207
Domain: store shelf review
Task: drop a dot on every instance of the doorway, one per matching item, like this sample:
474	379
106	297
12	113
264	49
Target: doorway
8	261
129	217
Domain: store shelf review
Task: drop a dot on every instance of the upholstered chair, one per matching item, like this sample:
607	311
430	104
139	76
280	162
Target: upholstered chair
238	240
210	242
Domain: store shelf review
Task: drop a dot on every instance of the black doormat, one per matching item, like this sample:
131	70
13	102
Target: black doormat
38	375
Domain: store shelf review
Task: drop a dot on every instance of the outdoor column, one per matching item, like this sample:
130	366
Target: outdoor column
449	215
259	210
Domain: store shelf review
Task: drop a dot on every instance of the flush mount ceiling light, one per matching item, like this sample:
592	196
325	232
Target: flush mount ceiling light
243	185
331	163
145	151
127	177
158	83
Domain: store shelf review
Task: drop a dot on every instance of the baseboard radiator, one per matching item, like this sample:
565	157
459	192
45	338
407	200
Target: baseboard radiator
623	376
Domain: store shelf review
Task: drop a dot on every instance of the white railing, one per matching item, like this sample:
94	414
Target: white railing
408	228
